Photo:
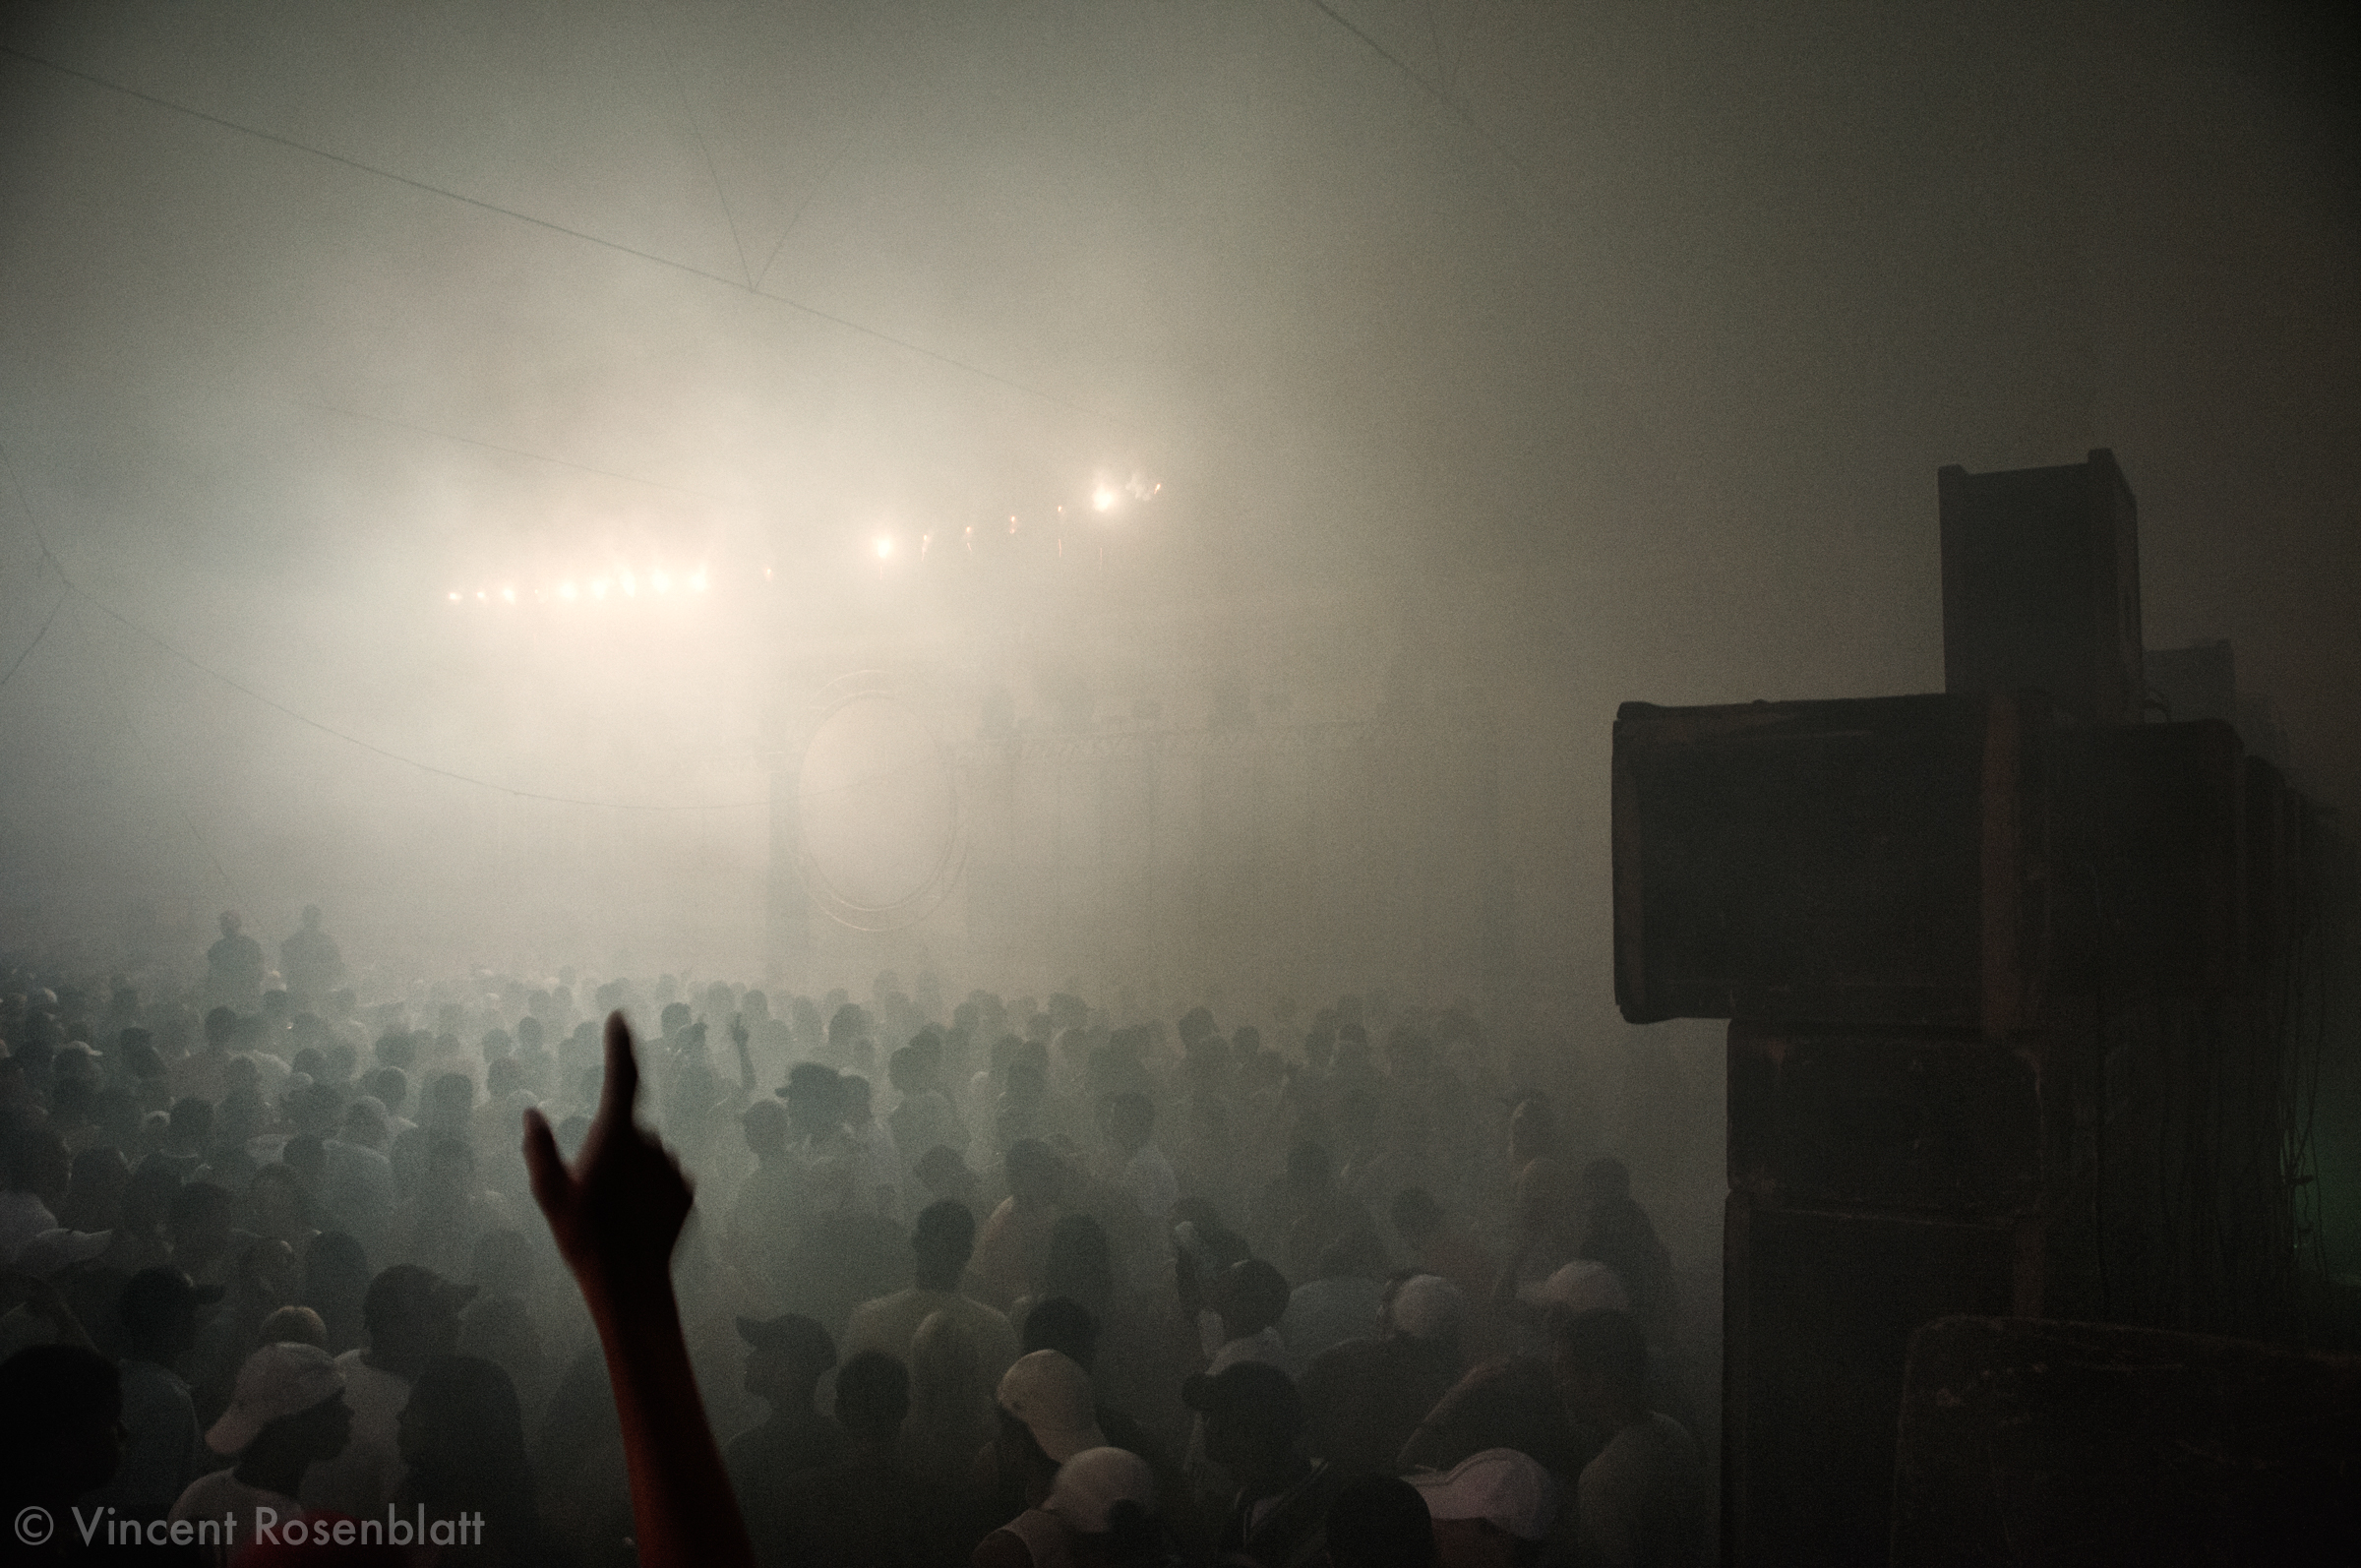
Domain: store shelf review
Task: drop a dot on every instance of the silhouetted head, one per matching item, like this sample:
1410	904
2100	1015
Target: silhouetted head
1251	1296
786	1358
873	1396
1598	1362
1380	1522
1253	1416
1061	1324
941	1241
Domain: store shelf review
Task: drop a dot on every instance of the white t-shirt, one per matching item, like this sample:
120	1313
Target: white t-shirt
1148	1178
1642	1500
363	1478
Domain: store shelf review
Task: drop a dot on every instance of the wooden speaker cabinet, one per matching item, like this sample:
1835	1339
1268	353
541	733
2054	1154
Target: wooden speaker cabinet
1874	860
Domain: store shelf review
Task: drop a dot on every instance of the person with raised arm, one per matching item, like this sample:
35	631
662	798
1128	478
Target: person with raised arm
617	1212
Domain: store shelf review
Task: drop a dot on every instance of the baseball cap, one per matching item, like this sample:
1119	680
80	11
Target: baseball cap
57	1248
277	1381
1508	1489
1050	1394
1583	1285
1426	1305
791	1335
1093	1481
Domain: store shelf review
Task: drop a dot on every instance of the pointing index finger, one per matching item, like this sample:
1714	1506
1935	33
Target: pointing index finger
620	1088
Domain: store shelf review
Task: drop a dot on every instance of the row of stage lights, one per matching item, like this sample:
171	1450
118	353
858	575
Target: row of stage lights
595	590
623	584
1105	500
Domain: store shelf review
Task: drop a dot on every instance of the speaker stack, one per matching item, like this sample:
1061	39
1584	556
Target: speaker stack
1981	955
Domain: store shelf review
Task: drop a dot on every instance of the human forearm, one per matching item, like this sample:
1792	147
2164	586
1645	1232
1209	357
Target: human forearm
681	1497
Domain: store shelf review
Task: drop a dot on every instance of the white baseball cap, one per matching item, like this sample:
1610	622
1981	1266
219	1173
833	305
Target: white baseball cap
277	1380
1093	1481
1052	1394
1426	1306
1583	1285
1499	1485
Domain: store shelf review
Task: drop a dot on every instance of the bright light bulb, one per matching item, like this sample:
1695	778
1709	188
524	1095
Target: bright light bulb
1103	498
479	597
455	598
566	590
508	595
885	548
696	579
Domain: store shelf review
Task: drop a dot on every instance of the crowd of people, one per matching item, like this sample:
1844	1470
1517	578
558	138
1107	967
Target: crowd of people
1001	1283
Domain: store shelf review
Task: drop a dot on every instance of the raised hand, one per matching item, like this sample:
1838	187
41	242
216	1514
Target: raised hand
618	1209
616	1213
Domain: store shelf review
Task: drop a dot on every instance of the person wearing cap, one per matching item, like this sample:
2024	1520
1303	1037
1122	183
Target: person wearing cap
942	1241
413	1316
786	1358
1253	1424
1364	1398
160	1441
1046	1417
1100	1513
1048	1397
1493	1509
1067	1327
1641	1502
288	1416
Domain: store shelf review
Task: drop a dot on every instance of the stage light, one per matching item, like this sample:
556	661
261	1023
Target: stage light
696	579
480	598
598	589
630	586
508	595
885	548
455	598
566	591
1103	498
661	583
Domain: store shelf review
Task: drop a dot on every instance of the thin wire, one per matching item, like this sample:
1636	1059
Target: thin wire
123	711
518	451
813	310
797	216
350	739
698	137
73	589
62	597
1431	91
